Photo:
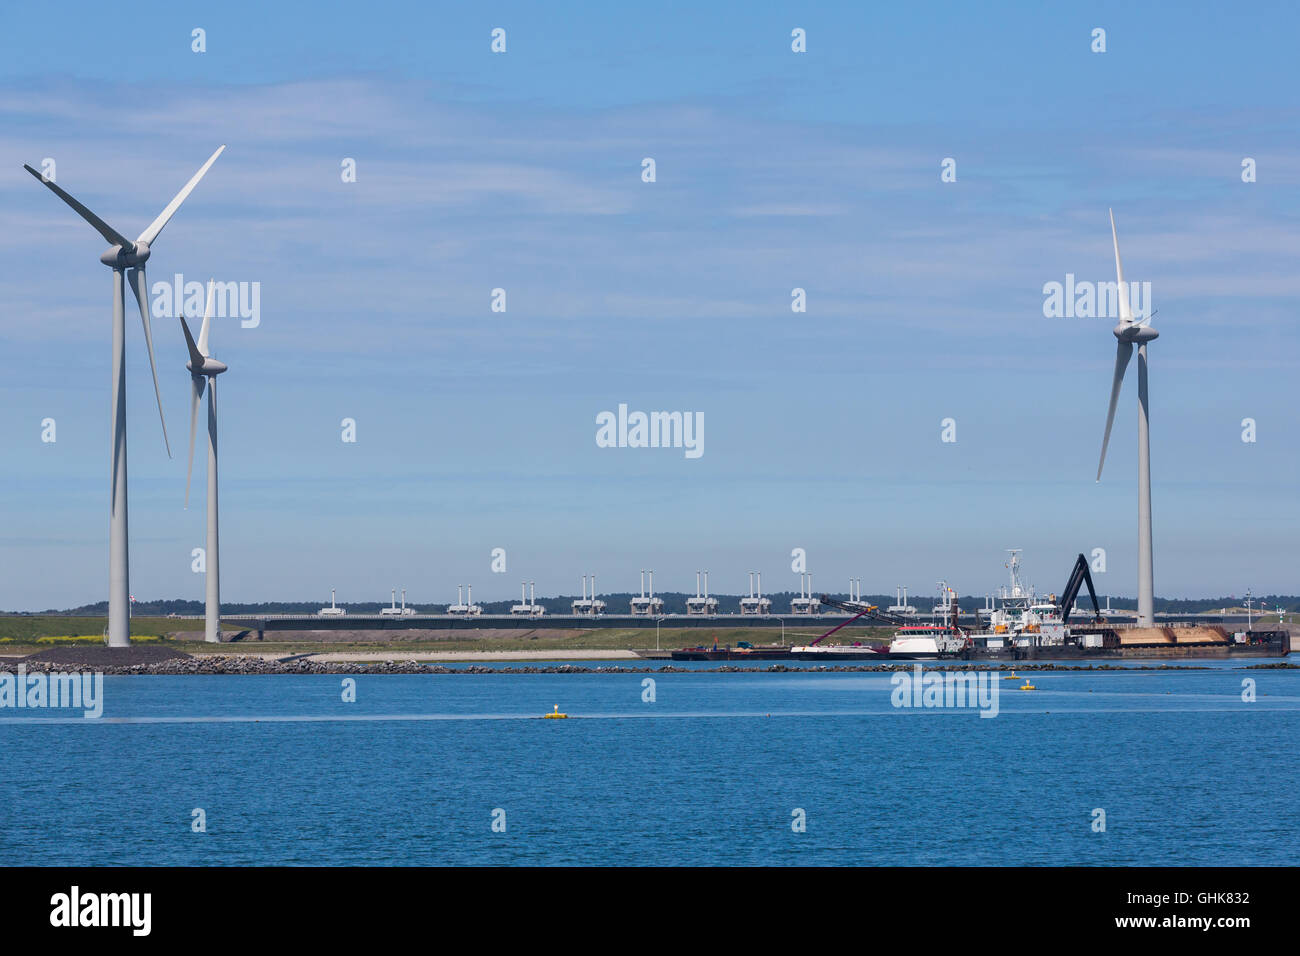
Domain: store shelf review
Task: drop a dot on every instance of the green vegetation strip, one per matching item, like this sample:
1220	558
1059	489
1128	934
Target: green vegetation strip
28	628
21	632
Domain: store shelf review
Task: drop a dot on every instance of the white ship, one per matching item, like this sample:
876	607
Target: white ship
914	642
1017	617
1014	618
1015	621
911	642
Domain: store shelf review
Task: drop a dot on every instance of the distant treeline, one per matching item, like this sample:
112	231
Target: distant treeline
674	603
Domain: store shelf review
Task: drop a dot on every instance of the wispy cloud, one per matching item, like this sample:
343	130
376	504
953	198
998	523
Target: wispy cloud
924	298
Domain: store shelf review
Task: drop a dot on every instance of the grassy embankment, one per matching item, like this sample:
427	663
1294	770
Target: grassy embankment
20	634
24	630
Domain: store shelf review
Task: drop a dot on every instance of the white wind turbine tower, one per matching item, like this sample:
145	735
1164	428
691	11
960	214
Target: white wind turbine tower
123	254
1128	332
204	370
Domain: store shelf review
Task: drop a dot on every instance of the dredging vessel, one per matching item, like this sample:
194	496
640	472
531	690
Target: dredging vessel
1017	624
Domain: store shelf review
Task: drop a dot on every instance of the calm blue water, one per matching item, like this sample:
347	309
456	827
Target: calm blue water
1186	771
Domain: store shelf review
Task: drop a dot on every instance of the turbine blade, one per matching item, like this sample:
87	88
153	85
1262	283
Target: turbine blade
104	229
155	227
1125	307
196	357
1123	353
138	283
207	319
196	393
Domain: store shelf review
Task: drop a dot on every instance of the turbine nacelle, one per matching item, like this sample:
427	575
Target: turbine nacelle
1135	333
123	257
210	366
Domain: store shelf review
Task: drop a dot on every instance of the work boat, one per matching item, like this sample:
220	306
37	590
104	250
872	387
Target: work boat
1017	624
1016	617
917	642
920	642
826	653
911	642
1022	625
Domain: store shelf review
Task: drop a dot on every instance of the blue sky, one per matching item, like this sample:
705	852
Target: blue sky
775	170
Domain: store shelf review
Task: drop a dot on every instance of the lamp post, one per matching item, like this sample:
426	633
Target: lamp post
782	620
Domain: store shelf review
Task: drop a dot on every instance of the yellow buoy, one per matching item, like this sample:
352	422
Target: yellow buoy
1027	686
556	715
1012	676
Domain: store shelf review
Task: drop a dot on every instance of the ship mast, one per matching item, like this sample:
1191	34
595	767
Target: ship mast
1017	591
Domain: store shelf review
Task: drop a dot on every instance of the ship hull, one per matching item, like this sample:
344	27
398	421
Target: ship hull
731	654
832	654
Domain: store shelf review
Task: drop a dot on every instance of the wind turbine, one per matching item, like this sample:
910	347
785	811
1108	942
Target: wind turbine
123	254
205	368
1129	332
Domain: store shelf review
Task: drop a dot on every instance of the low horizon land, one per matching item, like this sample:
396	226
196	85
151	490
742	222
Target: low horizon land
674	602
20	635
36	632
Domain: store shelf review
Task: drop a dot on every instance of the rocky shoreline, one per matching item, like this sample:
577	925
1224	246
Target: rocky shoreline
182	664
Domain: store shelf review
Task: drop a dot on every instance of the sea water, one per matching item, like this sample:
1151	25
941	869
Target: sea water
1158	767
